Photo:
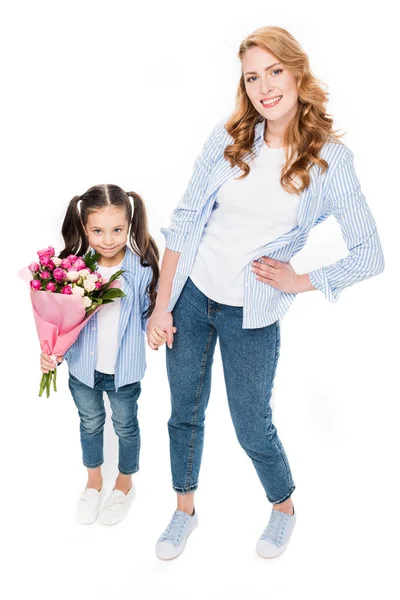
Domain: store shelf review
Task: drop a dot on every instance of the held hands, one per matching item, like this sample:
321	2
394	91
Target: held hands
281	276
47	363
160	329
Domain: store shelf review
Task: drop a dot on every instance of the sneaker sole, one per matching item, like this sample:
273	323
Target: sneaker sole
184	545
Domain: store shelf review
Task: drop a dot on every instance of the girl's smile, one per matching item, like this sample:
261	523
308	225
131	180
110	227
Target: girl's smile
107	233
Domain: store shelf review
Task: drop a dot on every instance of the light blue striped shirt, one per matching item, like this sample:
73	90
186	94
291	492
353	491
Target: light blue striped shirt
337	192
131	359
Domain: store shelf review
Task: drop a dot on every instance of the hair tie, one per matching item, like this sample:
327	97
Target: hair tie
132	202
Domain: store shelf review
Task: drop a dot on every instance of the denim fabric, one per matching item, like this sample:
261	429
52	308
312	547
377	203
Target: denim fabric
90	404
249	358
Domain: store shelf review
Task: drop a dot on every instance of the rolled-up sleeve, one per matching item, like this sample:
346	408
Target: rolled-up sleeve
194	198
349	207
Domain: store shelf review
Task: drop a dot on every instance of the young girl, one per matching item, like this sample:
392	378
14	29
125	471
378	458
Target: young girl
109	354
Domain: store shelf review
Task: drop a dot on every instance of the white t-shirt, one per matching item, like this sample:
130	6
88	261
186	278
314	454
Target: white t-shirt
248	213
108	327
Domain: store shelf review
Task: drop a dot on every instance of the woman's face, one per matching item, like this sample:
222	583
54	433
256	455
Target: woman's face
272	89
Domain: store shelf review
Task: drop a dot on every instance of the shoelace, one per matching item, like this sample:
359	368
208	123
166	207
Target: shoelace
275	529
174	529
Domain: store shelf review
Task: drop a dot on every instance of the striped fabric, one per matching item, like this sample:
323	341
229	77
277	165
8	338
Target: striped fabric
336	192
131	359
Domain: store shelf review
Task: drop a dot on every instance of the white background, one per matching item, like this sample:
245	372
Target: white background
126	93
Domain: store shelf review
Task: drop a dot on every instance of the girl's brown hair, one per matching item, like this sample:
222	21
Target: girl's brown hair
309	129
97	198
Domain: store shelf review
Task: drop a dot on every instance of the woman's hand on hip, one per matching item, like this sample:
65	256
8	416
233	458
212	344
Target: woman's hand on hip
280	275
160	329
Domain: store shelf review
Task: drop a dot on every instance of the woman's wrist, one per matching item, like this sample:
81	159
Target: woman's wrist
304	284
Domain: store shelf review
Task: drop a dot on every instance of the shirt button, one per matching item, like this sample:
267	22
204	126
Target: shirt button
246	285
91	354
93	328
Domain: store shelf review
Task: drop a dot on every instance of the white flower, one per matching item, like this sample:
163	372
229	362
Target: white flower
89	285
92	277
56	260
77	290
83	273
87	301
72	275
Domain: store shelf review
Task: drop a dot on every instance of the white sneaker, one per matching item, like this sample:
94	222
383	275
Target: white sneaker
116	507
276	536
87	508
172	542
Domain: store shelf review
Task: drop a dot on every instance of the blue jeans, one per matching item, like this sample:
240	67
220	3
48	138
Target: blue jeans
90	404
249	358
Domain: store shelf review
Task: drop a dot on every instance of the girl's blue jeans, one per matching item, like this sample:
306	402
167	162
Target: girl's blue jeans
249	358
90	404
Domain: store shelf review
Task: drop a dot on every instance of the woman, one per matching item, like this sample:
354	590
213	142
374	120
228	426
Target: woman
265	177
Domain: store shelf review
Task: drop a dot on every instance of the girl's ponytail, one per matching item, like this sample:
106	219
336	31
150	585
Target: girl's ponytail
72	231
144	245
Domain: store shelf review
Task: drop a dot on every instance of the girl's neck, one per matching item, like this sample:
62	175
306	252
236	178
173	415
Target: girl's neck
105	261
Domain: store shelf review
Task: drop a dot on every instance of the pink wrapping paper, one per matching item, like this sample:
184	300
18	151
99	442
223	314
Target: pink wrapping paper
59	318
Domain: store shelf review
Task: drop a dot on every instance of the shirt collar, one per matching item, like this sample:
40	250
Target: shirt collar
259	129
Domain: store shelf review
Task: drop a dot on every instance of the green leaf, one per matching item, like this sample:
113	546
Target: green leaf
113	293
91	260
113	277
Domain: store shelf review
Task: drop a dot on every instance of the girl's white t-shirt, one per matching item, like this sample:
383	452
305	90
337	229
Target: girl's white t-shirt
108	327
248	213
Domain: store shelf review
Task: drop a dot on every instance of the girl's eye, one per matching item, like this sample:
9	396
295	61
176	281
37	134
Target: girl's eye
97	231
251	78
118	230
277	70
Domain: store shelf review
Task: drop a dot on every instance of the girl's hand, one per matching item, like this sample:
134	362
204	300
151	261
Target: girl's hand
160	329
47	363
156	337
278	274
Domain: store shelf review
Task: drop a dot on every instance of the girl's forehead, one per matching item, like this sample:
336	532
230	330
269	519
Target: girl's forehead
107	214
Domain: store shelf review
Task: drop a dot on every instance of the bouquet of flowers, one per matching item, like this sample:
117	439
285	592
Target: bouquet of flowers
65	294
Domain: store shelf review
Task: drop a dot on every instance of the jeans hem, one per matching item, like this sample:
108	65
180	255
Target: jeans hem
123	472
184	491
284	497
95	465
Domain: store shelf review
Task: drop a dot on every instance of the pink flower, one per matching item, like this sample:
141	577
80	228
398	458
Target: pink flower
98	285
79	264
45	275
66	290
46	252
45	260
51	265
35	284
34	267
59	274
51	287
72	258
65	263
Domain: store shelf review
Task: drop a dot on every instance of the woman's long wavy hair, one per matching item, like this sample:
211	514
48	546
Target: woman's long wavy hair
310	127
99	197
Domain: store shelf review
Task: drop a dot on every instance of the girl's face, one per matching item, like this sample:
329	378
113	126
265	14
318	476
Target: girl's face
272	89
107	233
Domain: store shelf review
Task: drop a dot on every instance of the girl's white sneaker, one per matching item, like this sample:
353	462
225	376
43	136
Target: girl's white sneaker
88	506
116	507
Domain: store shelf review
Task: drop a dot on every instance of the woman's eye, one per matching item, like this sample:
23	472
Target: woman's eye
252	78
277	71
117	230
97	231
